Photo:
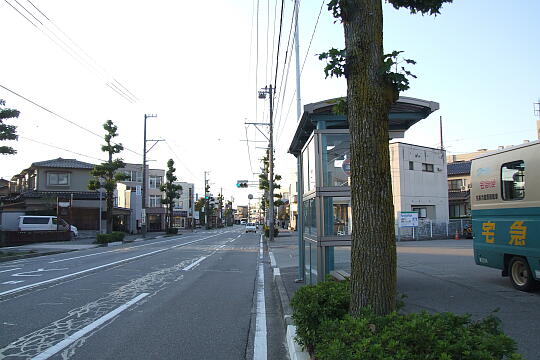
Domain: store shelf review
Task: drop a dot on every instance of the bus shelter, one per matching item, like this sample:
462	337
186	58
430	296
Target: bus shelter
321	145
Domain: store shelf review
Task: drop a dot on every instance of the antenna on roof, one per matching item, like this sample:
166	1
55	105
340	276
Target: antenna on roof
440	126
537	113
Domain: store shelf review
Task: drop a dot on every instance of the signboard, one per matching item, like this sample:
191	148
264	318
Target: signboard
64	204
143	216
408	219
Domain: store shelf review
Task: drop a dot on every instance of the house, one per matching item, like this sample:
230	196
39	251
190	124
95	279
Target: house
38	189
4	188
459	187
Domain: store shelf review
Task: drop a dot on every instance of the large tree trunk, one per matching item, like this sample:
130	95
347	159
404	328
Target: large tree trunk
373	252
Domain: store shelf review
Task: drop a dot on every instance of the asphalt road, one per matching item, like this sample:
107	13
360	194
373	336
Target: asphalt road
440	276
195	296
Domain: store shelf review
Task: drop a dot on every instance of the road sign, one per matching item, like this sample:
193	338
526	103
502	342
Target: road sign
250	196
408	219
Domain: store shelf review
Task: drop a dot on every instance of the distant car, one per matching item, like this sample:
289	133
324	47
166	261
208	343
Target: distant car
243	222
251	227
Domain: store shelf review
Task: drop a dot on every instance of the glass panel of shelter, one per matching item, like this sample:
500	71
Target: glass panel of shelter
326	178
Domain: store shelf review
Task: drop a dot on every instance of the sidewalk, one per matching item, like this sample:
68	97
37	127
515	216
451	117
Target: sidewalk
284	261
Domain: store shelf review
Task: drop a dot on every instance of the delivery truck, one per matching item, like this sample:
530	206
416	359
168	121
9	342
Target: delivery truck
505	204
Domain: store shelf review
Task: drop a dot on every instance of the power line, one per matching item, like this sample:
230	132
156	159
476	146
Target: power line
249	154
83	59
60	116
279	40
60	148
303	64
180	161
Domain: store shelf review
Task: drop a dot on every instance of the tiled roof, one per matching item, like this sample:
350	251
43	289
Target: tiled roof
63	163
459	168
77	195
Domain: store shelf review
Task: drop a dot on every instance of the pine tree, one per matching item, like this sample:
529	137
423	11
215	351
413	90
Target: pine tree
105	175
7	132
172	191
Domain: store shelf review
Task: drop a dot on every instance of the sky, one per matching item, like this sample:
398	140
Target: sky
199	66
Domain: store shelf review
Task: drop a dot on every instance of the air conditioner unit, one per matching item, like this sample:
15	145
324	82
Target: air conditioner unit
463	188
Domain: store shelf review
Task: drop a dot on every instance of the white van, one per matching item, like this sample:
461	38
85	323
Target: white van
45	223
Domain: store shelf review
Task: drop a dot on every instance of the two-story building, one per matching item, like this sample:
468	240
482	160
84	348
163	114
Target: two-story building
38	189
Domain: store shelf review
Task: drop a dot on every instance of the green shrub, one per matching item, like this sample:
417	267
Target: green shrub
442	336
267	231
314	304
104	238
118	235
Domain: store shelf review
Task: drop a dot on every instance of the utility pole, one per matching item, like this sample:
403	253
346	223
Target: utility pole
297	56
206	200
262	95
221	204
143	187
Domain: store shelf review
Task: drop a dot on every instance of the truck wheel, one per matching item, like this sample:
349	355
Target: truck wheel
520	274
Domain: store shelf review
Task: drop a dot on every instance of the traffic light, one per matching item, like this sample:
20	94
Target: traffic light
242	184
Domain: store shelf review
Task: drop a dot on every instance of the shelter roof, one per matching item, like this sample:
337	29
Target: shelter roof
404	113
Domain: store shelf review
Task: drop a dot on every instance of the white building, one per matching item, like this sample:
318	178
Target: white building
419	181
184	207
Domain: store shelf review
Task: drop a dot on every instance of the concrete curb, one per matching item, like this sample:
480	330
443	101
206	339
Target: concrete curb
293	348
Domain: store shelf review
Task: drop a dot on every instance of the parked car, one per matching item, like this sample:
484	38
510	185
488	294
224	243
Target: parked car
45	223
251	227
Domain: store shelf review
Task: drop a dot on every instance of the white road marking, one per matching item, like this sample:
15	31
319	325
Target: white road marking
8	292
110	251
90	327
36	272
12	282
260	342
272	260
193	264
2	271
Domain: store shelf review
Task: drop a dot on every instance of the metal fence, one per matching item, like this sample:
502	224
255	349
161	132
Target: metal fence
428	229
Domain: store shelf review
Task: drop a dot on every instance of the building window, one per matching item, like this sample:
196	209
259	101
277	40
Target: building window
422	212
513	180
155	200
455	184
155	182
411	165
133	175
58	179
427	167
